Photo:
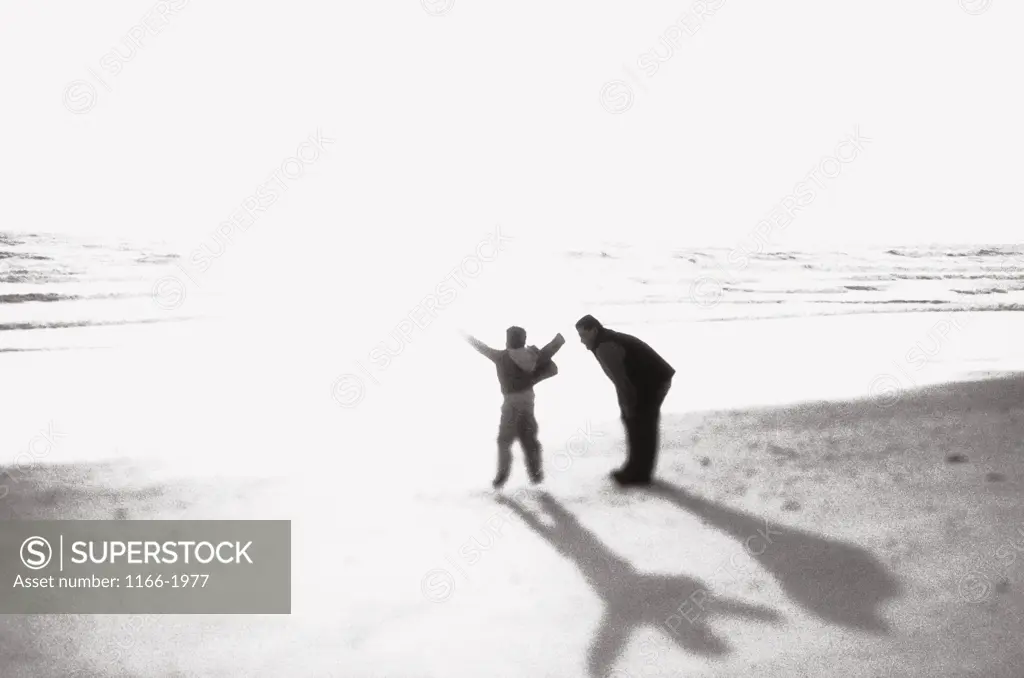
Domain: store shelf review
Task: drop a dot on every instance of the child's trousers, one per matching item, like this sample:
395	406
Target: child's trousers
518	422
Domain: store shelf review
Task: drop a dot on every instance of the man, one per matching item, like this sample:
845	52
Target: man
519	369
642	379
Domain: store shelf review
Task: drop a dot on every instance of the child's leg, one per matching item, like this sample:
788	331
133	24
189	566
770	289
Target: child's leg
527	429
506	436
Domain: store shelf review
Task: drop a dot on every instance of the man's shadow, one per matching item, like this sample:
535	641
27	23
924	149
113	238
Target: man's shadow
677	605
838	582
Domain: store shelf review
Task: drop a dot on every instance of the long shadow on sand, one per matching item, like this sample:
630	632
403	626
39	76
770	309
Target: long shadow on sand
838	582
633	599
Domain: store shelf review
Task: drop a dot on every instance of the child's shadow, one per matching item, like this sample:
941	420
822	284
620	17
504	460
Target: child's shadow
633	599
838	582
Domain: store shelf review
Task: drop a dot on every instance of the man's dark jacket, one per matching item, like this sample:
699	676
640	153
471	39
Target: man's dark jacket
647	370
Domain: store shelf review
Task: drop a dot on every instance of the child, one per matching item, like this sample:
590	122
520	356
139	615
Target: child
519	368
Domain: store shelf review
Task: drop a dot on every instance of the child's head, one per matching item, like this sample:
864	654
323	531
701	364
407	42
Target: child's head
515	337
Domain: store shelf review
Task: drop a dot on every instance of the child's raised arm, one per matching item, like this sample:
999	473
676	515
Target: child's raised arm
552	347
490	353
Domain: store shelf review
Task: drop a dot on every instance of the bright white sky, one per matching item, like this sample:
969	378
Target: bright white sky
448	125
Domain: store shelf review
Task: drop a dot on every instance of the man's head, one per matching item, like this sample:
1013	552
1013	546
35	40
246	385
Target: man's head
588	328
515	337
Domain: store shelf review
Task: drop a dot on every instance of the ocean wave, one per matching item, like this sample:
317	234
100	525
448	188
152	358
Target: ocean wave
990	290
985	252
48	349
647	284
23	298
876	301
814	290
884	276
774	256
910	253
878	311
14	327
21	255
153	258
32	297
580	254
23	277
50	283
996	251
37	277
692	258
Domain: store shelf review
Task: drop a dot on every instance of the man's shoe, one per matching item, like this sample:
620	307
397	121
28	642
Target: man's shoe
636	482
499	482
629	480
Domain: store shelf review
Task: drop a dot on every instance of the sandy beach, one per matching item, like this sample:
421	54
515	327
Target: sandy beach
839	491
242	249
881	535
